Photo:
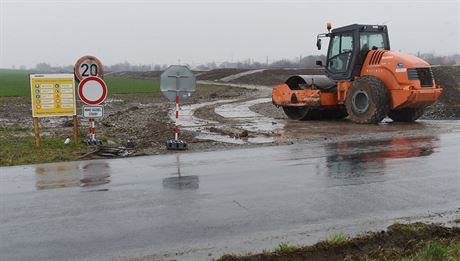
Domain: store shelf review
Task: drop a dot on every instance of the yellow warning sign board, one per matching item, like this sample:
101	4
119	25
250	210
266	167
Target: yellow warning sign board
52	95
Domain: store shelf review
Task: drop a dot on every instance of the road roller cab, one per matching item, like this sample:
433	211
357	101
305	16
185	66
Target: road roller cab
363	79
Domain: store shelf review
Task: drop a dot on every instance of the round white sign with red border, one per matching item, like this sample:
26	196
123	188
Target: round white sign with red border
88	66
92	90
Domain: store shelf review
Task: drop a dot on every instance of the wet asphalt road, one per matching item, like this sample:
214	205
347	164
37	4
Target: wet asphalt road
199	205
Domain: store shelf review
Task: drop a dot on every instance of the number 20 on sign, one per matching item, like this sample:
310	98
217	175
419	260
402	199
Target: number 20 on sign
88	66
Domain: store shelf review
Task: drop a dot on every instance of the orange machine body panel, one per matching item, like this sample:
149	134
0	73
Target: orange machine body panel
392	68
282	95
389	66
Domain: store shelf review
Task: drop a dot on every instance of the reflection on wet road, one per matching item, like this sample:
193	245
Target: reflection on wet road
353	158
228	201
72	174
179	182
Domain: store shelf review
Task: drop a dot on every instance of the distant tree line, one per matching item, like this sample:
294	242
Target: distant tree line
300	62
440	60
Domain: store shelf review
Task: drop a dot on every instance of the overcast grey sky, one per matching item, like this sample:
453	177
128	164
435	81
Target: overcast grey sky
146	32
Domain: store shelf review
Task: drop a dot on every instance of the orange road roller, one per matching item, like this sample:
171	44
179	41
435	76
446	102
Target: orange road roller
363	80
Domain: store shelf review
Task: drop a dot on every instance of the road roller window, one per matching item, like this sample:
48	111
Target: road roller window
370	41
340	53
373	41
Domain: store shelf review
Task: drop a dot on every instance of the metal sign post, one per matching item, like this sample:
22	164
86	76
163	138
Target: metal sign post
176	134
177	83
92	91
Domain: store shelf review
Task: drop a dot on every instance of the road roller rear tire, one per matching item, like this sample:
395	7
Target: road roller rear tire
406	114
368	100
301	113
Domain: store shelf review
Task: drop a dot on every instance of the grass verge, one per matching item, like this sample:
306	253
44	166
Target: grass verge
403	242
285	248
337	239
20	149
436	251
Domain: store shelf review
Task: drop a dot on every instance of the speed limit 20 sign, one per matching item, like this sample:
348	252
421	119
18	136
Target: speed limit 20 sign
88	66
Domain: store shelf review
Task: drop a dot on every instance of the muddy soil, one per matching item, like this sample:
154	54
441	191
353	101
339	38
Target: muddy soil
269	110
398	241
448	106
140	119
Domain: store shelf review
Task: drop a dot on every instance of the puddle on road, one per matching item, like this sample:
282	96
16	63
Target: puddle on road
354	159
181	182
407	147
350	162
72	174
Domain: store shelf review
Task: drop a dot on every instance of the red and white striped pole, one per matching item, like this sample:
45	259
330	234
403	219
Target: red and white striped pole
176	133
92	130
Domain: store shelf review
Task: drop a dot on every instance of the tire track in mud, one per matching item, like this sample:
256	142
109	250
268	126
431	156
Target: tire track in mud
201	127
249	120
237	119
240	125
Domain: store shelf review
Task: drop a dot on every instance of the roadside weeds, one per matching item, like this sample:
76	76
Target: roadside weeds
404	242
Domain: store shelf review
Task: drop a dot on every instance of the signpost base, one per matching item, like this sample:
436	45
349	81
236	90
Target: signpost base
93	142
176	145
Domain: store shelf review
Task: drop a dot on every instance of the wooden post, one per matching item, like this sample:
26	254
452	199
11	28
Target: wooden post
75	129
37	133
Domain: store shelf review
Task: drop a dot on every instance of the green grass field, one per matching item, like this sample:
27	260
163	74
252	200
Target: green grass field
16	83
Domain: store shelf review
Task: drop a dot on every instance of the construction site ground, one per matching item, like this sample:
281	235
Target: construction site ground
337	179
231	109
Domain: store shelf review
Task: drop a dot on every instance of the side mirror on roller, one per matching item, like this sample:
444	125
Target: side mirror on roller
318	43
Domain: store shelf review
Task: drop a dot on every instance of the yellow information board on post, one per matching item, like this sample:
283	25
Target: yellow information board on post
53	95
